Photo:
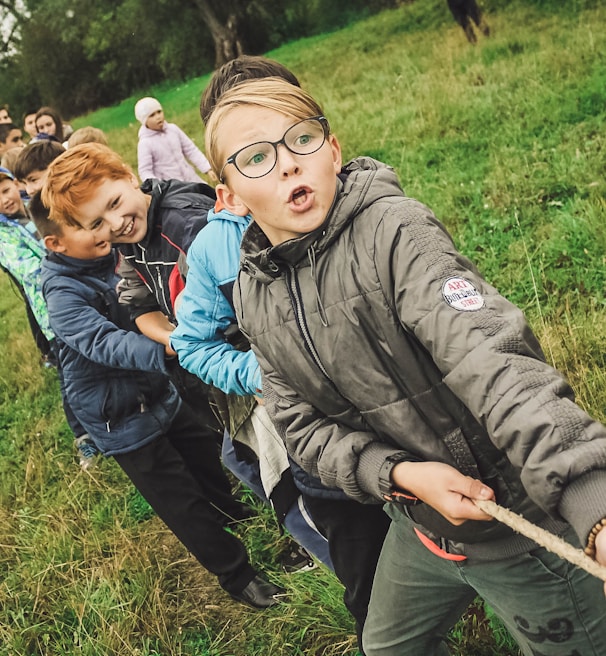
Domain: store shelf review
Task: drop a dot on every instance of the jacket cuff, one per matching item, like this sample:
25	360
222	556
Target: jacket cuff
370	462
583	503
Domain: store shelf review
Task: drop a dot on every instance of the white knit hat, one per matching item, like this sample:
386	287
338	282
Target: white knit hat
145	107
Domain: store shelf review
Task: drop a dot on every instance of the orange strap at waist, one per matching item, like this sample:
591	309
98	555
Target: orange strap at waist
437	551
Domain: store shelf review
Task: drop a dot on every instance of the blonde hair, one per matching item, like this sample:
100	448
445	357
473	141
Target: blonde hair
74	176
10	158
269	93
88	134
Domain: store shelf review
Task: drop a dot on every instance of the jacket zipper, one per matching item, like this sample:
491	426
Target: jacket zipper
297	304
167	309
157	277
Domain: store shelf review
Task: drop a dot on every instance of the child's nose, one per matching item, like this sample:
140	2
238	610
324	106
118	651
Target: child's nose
287	160
114	221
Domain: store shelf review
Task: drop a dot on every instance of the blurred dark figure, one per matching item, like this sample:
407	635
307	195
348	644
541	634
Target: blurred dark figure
466	11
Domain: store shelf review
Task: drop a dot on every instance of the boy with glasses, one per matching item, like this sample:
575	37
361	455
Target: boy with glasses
399	374
209	345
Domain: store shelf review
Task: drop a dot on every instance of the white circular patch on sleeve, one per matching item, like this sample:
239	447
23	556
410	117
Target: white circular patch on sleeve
462	295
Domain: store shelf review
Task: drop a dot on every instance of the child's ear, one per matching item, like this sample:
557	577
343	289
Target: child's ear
337	157
54	243
231	201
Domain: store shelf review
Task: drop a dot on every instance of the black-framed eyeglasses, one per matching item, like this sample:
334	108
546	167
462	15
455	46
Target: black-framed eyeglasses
258	159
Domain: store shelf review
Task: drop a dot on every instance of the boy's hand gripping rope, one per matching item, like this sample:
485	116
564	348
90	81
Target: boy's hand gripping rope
542	537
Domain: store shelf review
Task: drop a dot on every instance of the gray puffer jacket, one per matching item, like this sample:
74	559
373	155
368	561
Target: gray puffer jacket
376	338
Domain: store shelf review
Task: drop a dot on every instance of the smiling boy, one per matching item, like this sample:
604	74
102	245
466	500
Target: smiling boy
11	203
153	226
117	383
389	388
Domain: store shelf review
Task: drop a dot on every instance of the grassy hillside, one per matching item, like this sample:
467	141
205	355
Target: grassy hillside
505	141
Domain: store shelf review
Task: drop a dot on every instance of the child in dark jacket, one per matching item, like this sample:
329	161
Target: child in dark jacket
154	226
398	373
117	384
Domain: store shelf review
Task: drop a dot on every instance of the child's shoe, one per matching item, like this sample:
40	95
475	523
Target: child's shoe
86	451
297	559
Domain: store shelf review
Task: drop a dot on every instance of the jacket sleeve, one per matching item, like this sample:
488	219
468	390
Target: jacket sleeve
339	456
492	361
21	257
203	316
133	291
77	323
192	152
145	159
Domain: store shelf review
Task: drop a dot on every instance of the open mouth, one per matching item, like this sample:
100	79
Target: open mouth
299	196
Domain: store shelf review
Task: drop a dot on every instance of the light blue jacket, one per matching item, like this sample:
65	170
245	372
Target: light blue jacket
206	309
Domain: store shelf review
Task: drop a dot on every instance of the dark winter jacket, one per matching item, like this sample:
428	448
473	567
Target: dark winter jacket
114	379
151	278
377	338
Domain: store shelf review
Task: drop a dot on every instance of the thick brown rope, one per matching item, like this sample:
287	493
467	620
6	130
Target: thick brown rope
542	537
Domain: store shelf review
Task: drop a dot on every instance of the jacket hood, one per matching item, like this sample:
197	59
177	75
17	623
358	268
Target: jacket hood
225	215
168	193
56	263
359	184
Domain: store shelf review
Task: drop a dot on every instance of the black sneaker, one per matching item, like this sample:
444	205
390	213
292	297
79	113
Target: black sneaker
260	593
297	560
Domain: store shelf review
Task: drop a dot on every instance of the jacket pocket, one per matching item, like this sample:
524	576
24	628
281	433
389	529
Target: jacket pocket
122	398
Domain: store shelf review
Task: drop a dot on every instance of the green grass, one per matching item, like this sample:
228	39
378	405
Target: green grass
505	141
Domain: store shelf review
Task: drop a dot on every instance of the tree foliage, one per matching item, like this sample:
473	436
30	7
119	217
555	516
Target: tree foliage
77	56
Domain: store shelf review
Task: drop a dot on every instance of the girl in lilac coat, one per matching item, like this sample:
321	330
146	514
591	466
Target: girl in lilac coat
164	150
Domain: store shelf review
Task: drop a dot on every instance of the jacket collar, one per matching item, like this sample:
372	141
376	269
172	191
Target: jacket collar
361	182
145	132
85	267
220	213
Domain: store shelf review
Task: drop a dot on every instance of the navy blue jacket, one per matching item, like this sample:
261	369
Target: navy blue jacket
115	379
